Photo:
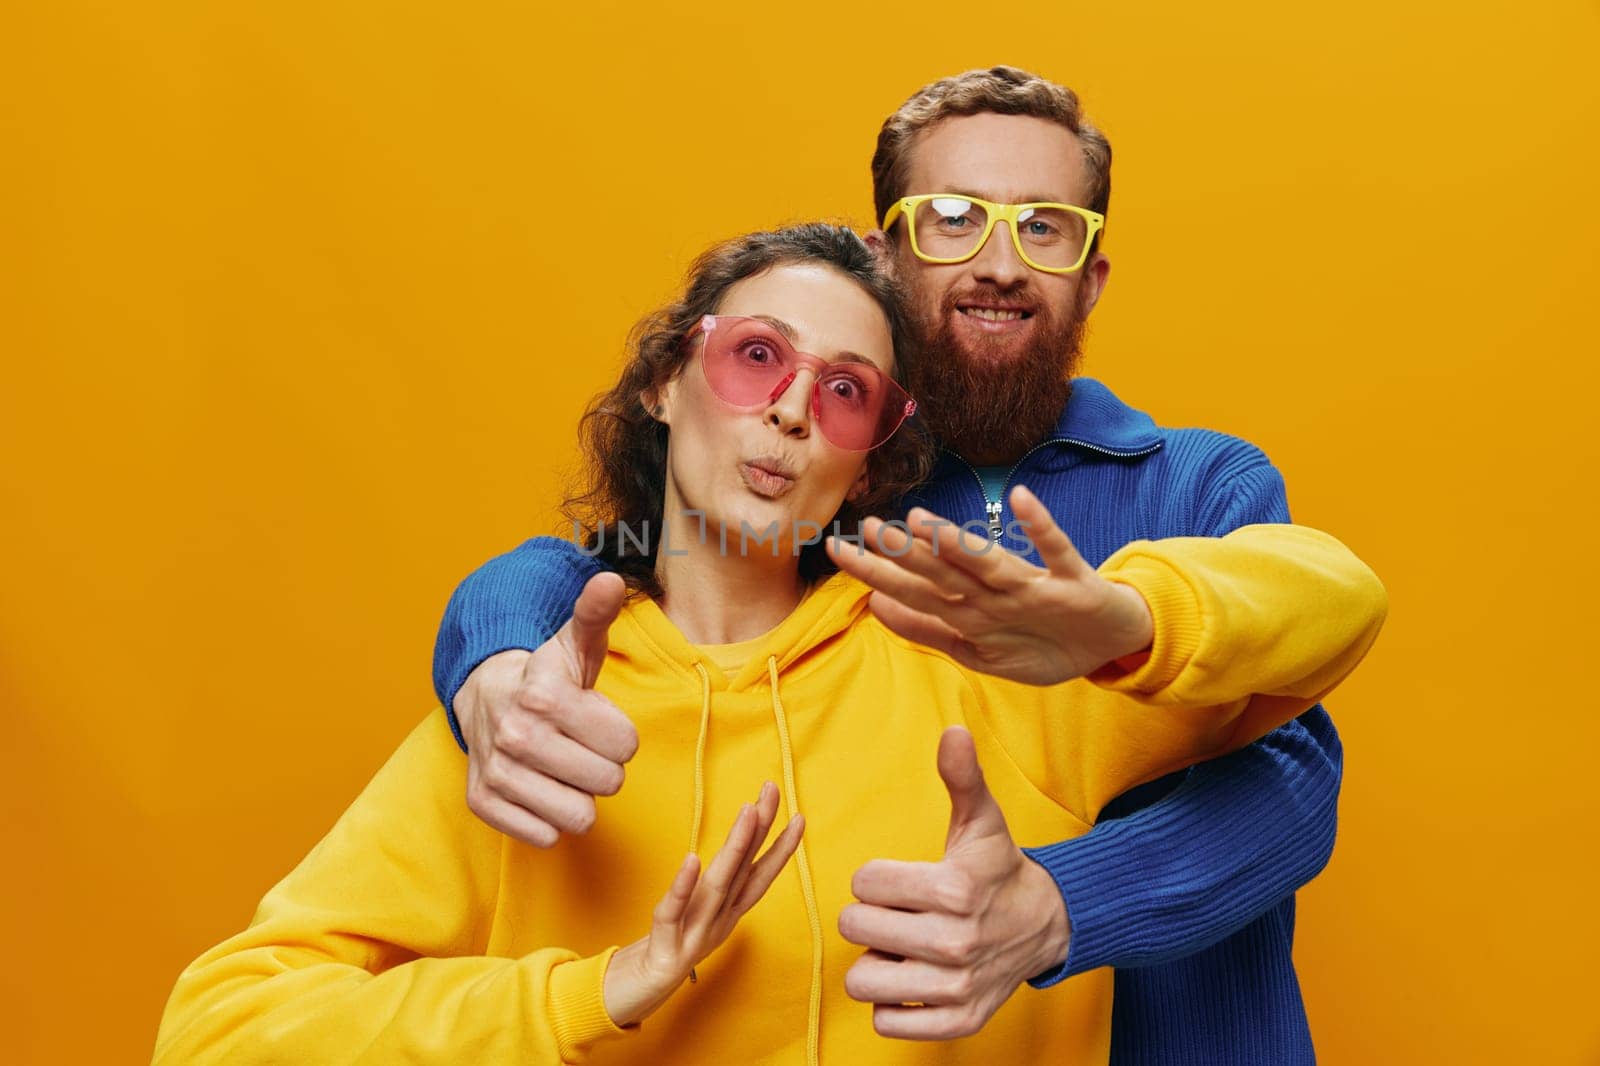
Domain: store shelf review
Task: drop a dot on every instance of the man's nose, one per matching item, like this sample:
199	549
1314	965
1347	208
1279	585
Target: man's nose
997	261
790	408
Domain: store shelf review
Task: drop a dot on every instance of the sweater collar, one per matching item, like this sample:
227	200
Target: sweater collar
1096	419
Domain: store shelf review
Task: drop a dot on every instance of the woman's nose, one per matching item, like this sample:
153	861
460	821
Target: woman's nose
790	408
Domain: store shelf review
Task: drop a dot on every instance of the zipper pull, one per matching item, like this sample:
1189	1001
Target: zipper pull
993	508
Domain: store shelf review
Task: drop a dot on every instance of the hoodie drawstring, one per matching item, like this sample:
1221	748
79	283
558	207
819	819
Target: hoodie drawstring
792	806
700	773
700	759
792	803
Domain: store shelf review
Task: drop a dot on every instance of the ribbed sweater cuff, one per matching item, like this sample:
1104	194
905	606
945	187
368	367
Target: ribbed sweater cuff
523	626
517	600
1102	930
1239	836
577	1003
1176	622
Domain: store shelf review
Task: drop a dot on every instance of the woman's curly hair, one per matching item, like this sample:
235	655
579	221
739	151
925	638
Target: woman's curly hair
626	449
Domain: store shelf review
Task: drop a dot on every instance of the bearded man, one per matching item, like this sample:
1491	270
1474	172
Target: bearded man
992	189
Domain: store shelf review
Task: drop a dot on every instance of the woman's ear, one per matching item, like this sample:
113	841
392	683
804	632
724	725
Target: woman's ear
859	489
657	402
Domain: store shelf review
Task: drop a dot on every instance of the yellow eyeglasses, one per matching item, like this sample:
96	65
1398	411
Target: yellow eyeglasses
947	227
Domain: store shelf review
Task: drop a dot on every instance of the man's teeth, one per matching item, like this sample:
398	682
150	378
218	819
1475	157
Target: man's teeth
989	314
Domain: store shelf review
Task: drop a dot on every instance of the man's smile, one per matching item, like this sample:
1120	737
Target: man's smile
994	318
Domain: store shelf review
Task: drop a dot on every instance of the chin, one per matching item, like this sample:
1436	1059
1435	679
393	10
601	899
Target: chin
750	517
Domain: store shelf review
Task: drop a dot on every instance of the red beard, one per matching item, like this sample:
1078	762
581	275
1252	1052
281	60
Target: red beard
986	407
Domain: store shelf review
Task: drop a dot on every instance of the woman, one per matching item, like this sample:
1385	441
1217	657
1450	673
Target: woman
755	411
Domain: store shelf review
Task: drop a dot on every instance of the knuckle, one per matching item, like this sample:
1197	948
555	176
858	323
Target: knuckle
955	891
957	947
492	776
538	694
509	732
959	986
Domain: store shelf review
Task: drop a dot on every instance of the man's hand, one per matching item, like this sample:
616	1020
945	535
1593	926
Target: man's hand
541	742
993	611
955	936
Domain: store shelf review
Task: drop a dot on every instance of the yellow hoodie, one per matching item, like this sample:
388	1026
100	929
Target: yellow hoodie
415	933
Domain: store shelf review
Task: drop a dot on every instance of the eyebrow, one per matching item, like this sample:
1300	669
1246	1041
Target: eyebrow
789	335
1037	198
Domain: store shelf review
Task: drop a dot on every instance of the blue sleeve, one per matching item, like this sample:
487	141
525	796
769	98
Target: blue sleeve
1237	836
515	600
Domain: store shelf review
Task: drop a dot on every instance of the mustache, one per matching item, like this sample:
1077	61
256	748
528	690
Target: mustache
1020	293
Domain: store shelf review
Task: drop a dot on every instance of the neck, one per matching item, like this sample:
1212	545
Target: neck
717	596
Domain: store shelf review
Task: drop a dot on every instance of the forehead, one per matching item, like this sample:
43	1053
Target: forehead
829	314
1006	158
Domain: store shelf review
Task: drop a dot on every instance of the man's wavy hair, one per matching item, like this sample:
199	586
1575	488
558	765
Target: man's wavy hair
1000	91
626	449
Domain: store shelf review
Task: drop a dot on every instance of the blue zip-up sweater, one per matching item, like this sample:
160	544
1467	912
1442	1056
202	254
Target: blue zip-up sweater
1187	884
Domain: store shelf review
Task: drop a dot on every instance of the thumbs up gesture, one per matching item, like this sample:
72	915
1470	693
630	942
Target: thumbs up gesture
541	742
948	942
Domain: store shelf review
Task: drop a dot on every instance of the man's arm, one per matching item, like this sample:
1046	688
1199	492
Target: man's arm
1239	835
1001	941
514	601
541	743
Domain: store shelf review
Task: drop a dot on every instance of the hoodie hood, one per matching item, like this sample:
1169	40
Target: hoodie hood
643	632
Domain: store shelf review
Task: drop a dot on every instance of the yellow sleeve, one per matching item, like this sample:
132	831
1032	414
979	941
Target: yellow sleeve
1287	608
373	949
1251	629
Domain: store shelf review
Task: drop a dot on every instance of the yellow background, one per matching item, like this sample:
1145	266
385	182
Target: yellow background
299	303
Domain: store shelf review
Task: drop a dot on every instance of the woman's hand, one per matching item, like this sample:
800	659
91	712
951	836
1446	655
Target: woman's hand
990	610
698	912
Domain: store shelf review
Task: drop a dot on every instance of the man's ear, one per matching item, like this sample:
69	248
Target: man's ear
1095	274
882	248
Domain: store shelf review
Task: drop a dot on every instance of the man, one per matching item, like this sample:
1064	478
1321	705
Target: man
992	189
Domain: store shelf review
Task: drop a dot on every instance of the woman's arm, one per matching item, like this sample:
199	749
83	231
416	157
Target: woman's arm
1245	632
372	949
1287	578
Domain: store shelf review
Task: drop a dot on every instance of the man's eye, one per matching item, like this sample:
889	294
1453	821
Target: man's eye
759	353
